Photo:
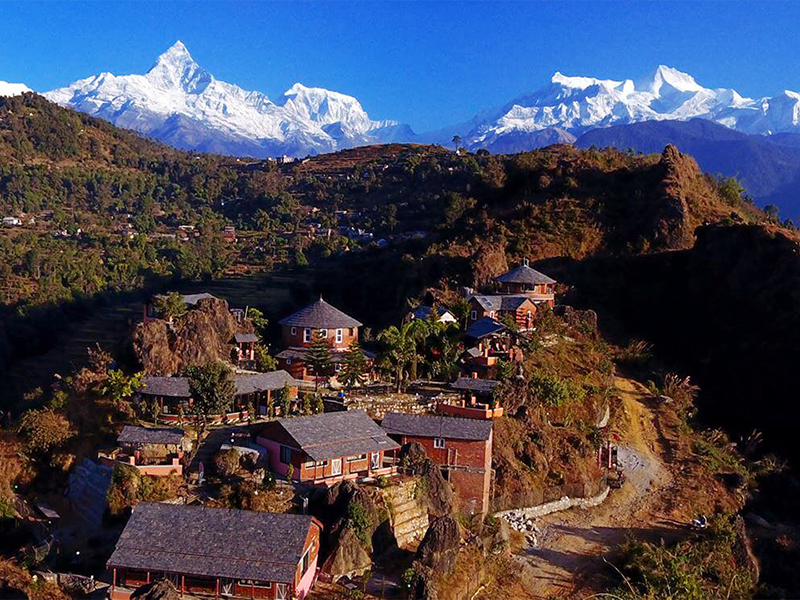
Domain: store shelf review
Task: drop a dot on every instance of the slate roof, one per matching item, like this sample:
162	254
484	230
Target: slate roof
193	299
471	384
169	387
524	274
212	542
433	426
245	337
320	315
145	435
178	387
335	434
483	327
508	302
274	380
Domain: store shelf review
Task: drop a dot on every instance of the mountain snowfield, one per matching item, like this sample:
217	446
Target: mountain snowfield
574	105
13	89
180	103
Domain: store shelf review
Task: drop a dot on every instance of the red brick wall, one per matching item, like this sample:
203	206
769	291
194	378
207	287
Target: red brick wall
297	340
472	484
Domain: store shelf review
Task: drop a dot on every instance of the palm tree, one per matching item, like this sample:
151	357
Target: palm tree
399	350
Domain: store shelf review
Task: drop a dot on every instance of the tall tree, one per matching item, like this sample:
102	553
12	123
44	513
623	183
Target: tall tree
319	359
355	365
213	391
456	141
399	350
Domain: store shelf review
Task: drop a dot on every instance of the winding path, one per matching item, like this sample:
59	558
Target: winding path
568	560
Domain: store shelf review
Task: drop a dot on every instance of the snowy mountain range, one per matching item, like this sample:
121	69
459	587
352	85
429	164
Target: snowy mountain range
182	104
571	106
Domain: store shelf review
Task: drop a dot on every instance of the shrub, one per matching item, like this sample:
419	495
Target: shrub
361	522
44	430
227	462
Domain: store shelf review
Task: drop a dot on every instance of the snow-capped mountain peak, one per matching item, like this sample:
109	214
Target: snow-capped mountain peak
572	105
181	103
13	89
670	79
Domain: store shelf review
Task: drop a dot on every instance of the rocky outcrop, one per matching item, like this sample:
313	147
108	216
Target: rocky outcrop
349	517
204	334
439	547
432	489
160	590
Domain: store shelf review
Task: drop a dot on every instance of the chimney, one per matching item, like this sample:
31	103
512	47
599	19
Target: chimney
525	262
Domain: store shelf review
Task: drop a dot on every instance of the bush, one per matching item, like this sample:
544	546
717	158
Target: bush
44	430
550	389
227	462
361	522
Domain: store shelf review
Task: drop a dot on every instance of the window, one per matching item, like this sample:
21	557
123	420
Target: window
474	315
356	458
256	584
286	455
375	460
438	443
336	466
306	335
305	561
288	361
352	332
339	336
323	333
491	314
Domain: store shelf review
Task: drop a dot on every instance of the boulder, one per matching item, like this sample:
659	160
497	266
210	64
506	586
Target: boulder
347	557
439	547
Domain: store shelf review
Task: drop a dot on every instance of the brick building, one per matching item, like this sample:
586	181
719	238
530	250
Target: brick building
327	448
462	447
318	320
217	552
519	307
529	282
173	397
489	341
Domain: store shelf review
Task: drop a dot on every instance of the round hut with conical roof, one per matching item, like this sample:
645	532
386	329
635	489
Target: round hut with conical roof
318	320
527	281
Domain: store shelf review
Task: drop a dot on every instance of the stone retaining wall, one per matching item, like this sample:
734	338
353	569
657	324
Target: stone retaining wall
557	505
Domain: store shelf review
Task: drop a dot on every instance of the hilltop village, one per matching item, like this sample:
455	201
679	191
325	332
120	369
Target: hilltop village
396	371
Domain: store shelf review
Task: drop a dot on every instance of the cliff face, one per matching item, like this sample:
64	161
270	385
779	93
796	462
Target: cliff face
202	335
726	311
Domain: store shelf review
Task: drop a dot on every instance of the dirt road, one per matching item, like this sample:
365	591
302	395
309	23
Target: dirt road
568	558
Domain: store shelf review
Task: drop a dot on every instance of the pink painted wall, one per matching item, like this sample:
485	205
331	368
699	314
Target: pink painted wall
308	580
274	457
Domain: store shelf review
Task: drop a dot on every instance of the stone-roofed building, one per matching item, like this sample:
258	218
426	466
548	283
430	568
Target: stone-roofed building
318	320
153	451
217	552
462	447
326	448
244	349
522	309
173	396
490	341
528	281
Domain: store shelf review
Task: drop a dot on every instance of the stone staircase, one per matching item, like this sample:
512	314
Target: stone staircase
409	519
88	485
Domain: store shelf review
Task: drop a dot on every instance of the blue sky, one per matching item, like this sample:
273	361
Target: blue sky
428	64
